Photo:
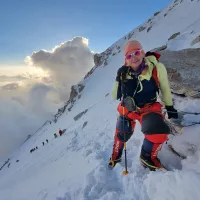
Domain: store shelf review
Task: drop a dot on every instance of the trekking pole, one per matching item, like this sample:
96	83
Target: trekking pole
125	172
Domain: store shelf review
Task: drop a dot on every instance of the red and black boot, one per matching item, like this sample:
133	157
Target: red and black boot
124	130
117	152
148	156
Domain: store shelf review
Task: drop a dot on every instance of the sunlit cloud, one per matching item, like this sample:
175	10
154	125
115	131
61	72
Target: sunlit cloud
10	86
67	63
32	93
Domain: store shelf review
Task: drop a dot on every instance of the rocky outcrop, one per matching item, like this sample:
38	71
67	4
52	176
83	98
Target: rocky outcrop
4	164
80	88
74	94
183	70
102	58
75	91
149	29
60	112
155	14
142	28
174	36
90	72
84	125
195	41
130	35
160	48
149	20
98	59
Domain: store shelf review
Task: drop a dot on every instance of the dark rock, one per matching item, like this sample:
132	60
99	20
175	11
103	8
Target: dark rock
195	41
183	69
80	115
84	125
155	14
98	59
80	87
107	94
142	28
162	48
174	36
149	29
73	94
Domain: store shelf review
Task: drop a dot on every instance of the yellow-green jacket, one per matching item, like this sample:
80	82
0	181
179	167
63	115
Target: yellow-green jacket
151	61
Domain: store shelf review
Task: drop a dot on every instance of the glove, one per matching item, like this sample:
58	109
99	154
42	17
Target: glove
172	112
121	71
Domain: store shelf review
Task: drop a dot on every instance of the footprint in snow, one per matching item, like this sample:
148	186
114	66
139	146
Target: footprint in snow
102	183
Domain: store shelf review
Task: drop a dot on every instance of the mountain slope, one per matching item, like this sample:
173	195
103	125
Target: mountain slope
74	166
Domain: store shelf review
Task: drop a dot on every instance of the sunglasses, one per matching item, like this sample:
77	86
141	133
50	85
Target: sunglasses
136	53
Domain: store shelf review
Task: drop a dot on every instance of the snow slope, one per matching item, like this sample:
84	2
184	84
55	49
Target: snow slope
74	166
182	16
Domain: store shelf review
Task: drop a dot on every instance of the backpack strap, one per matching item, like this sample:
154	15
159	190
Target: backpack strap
154	72
155	76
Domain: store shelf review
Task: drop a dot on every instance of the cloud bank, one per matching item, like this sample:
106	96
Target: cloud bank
30	97
66	64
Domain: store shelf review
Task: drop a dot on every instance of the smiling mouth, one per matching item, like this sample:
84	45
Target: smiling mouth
135	62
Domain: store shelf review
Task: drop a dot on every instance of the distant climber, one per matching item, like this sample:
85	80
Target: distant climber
32	150
47	140
55	135
60	132
43	143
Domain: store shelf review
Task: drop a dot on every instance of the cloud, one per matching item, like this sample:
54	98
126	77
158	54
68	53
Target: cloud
10	86
4	78
23	114
67	63
16	123
44	99
30	95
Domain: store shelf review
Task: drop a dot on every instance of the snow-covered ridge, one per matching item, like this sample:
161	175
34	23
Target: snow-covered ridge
74	166
176	26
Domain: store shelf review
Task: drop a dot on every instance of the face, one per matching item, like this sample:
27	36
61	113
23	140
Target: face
135	58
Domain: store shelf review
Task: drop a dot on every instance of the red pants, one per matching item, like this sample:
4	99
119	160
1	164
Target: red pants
153	126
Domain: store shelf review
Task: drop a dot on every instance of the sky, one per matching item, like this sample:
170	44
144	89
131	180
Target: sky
42	24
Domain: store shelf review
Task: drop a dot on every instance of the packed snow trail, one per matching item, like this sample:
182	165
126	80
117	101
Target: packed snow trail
74	166
102	183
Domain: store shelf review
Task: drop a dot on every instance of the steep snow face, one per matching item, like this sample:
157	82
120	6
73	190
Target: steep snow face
179	17
189	38
74	166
